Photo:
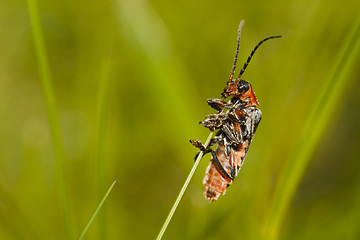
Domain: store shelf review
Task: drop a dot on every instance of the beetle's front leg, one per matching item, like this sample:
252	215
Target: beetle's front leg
217	104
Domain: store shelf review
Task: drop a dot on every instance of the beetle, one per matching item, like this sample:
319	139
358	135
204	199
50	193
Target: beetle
236	122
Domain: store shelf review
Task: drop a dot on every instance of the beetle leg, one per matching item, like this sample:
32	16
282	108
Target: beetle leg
214	121
235	118
234	136
217	104
201	146
221	168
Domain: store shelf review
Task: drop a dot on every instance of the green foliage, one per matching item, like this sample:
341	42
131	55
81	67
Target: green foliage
91	91
46	81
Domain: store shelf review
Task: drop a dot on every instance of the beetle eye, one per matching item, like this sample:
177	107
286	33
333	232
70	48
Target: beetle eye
243	86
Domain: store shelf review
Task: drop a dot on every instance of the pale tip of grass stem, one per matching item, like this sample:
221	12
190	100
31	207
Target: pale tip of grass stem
183	189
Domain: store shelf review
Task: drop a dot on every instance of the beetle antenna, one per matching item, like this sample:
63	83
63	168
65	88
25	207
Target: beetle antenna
253	52
237	49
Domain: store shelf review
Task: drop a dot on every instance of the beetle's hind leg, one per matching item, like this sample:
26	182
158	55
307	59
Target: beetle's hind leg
201	146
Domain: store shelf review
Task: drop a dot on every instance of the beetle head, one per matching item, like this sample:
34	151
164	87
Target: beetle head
241	90
236	88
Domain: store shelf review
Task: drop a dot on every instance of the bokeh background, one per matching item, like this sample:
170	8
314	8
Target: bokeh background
131	79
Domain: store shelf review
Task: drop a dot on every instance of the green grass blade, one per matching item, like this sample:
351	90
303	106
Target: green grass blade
97	210
45	77
182	191
101	138
319	117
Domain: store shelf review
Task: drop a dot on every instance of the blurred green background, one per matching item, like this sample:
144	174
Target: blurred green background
131	79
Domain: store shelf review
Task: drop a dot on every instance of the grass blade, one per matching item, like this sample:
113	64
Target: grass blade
97	210
182	191
313	129
45	77
103	94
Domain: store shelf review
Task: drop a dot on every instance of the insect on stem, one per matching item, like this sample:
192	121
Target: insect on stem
182	191
235	129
